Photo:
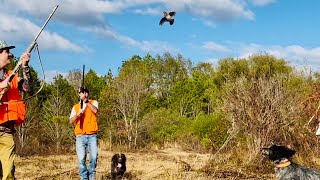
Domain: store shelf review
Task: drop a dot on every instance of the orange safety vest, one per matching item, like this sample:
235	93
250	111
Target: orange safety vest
90	124
15	111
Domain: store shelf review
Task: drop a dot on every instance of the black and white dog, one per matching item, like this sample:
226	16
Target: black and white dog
118	166
285	168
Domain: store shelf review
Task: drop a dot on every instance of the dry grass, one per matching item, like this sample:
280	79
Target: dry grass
170	163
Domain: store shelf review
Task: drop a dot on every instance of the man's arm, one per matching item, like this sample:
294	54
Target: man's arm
25	83
73	116
92	106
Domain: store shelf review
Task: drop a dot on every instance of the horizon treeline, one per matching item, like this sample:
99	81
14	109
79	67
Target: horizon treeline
235	107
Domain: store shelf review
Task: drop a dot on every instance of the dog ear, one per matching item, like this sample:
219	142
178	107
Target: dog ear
115	158
123	156
291	152
279	152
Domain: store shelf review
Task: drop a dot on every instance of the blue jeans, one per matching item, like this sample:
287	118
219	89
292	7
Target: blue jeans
82	142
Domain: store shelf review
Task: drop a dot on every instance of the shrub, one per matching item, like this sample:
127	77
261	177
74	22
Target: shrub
212	130
163	125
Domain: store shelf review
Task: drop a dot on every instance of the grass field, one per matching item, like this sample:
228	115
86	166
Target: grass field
170	163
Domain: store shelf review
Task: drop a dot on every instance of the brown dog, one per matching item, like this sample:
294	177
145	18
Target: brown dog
118	166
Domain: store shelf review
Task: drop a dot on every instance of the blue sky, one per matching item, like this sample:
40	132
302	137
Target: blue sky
103	33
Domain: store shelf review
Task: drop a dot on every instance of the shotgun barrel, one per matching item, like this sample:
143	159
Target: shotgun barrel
30	48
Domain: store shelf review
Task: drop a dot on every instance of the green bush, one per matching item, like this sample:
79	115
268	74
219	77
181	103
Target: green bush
164	125
212	130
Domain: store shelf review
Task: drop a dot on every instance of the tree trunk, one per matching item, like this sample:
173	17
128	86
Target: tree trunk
136	134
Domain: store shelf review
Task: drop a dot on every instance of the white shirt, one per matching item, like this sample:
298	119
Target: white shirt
73	111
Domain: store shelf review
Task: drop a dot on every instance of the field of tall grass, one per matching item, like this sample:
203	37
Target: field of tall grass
169	163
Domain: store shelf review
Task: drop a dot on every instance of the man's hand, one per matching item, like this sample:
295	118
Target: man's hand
25	57
74	118
80	113
5	83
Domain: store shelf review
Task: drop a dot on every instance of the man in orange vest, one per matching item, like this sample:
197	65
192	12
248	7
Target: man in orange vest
86	129
12	114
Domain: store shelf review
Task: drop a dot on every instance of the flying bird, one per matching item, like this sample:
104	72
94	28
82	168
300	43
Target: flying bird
167	17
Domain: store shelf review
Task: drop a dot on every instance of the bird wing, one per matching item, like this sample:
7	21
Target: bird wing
163	20
171	21
172	13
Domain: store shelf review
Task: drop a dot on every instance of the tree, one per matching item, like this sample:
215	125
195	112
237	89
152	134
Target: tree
168	70
33	112
193	95
57	109
95	83
130	88
265	104
74	78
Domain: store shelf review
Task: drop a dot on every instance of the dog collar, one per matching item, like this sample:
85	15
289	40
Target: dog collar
283	165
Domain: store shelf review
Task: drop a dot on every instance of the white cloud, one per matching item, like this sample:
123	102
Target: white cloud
80	11
281	51
213	61
147	46
214	10
246	50
55	41
24	30
215	47
91	14
51	74
295	54
219	10
149	11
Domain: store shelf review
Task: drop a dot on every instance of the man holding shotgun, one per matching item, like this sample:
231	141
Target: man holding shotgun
12	108
84	116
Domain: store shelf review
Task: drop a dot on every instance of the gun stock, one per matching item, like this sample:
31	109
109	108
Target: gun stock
30	48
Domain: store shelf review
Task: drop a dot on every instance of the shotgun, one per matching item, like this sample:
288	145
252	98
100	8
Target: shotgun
82	85
81	101
30	48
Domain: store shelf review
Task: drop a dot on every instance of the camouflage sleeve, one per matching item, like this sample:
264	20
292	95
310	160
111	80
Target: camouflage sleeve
25	83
